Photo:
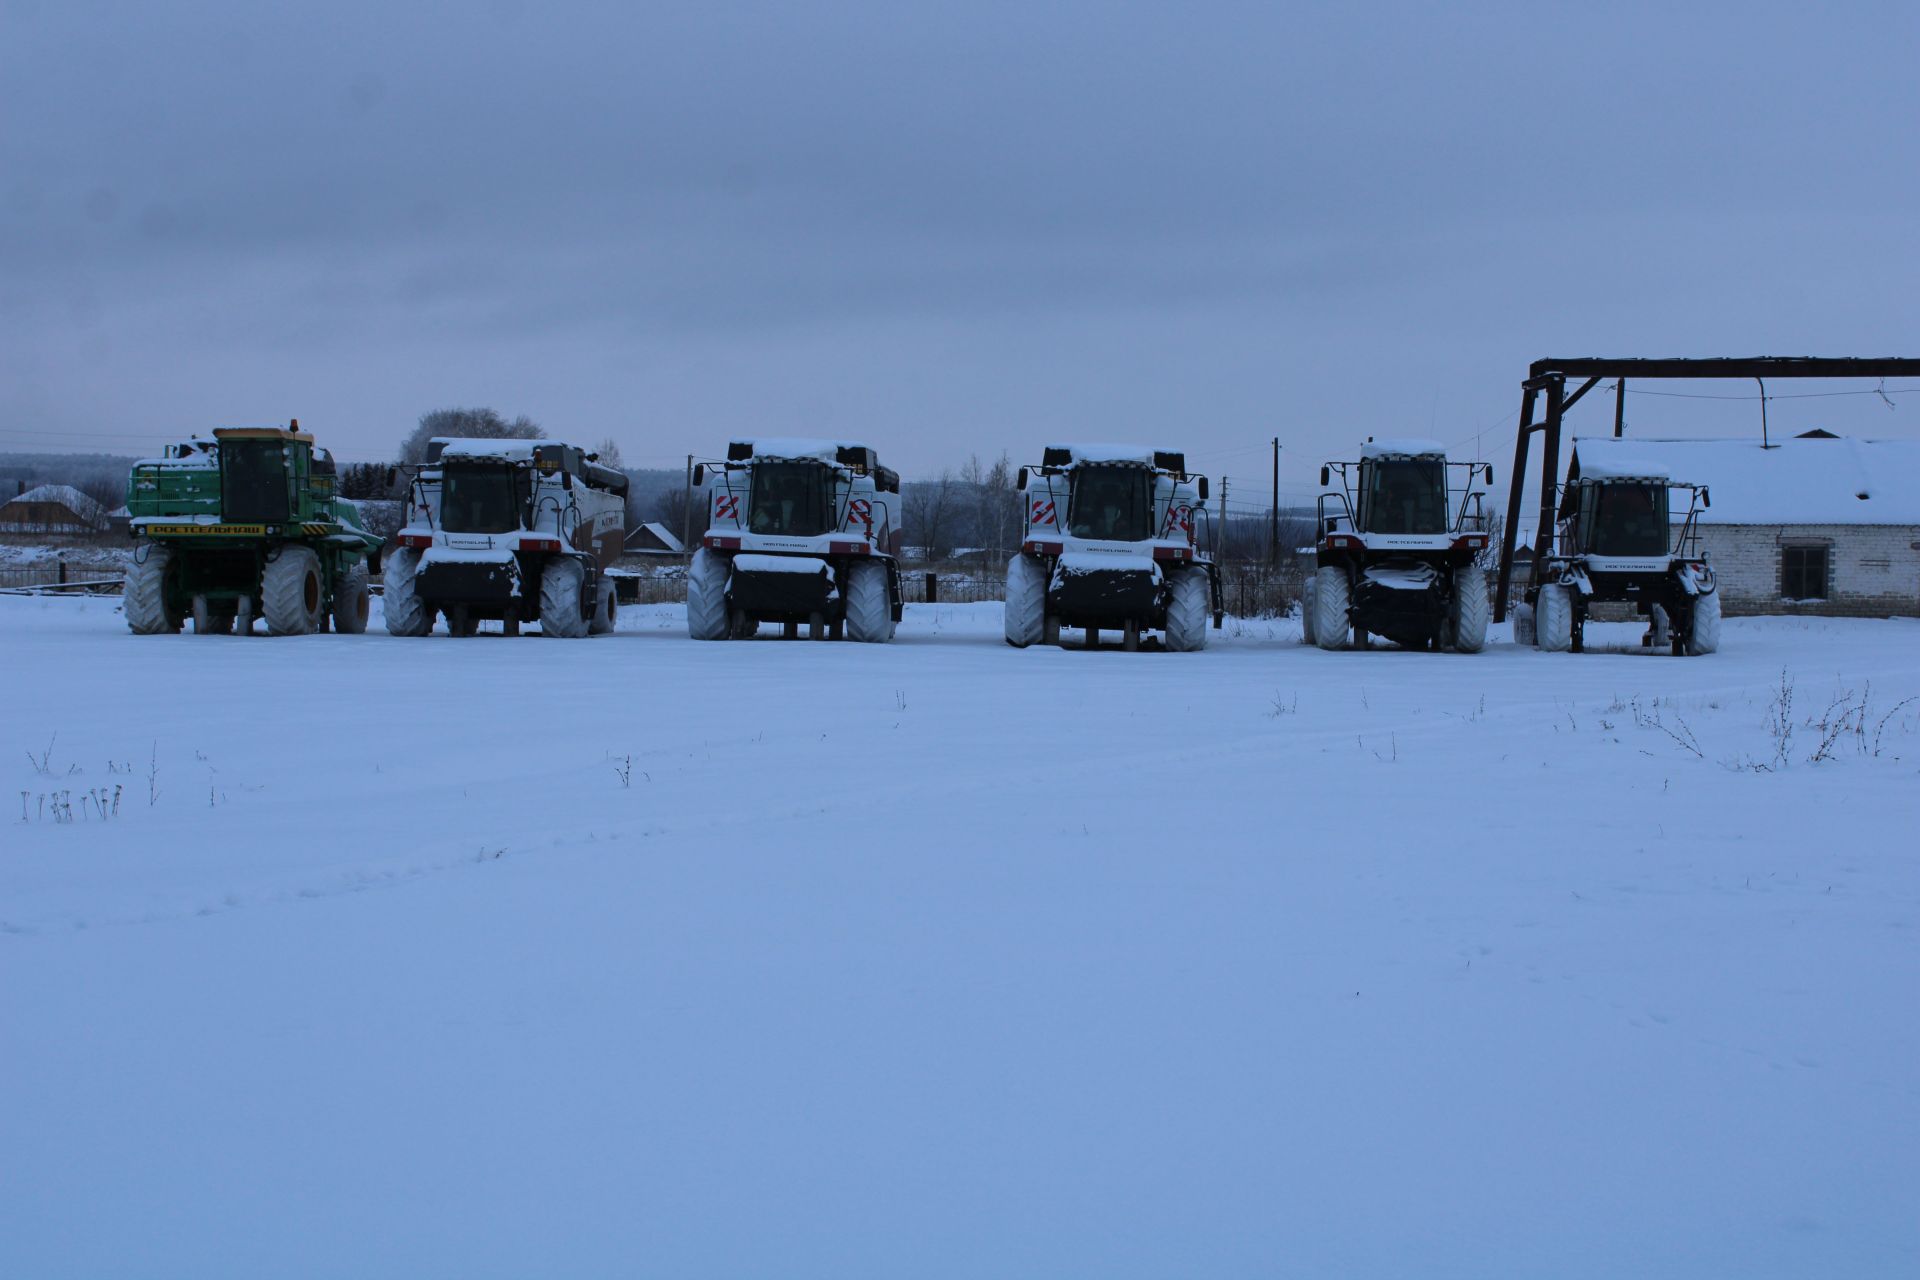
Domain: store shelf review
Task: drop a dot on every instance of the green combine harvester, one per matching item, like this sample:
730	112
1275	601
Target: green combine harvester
245	525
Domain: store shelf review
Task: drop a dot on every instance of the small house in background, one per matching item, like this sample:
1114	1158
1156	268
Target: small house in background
1819	524
653	539
52	508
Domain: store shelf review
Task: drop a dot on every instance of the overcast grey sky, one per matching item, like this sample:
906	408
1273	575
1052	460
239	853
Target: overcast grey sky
946	232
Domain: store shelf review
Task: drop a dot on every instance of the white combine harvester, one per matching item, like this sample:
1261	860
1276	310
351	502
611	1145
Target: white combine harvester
1615	542
1401	562
1111	544
799	532
513	530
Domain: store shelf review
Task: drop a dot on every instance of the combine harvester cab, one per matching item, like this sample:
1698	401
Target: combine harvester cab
1396	556
1615	543
800	532
243	526
511	531
1111	544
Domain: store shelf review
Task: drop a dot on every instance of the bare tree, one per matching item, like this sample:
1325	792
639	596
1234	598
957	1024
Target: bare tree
609	451
992	501
670	509
473	424
931	507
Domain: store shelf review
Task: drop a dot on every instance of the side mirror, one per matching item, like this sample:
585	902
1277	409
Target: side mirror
1326	476
1020	481
699	474
1489	473
566	481
1706	497
1203	488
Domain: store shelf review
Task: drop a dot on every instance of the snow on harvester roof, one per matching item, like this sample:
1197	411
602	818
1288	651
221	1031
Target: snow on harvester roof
1076	455
1108	453
798	447
1407	447
492	450
1606	458
1797	481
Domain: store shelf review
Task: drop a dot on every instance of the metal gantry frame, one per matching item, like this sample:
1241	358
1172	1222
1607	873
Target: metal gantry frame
1548	379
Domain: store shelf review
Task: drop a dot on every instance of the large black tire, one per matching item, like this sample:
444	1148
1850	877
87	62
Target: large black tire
350	601
606	610
1308	594
1553	619
143	596
1703	636
210	619
563	585
1522	616
1188	611
1026	611
292	592
1332	596
407	614
707	596
1471	609
869	610
1659	628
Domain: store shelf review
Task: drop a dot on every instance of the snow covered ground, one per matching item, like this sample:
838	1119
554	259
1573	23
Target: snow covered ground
637	956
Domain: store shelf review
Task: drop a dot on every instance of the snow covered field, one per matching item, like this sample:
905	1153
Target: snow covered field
636	956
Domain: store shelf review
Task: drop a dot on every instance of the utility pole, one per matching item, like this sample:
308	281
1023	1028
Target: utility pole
1273	532
686	515
1223	517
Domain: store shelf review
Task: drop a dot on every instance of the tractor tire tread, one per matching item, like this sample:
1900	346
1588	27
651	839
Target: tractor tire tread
144	595
562	583
406	613
869	611
1026	611
1189	611
707	596
285	585
1332	598
1472	607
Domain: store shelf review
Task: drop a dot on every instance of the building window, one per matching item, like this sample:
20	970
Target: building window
1803	572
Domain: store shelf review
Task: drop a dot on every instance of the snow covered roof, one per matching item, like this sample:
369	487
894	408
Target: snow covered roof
1834	480
1605	458
85	509
798	447
1108	453
494	450
659	532
1406	447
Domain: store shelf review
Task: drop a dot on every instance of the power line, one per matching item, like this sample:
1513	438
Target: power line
1791	395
